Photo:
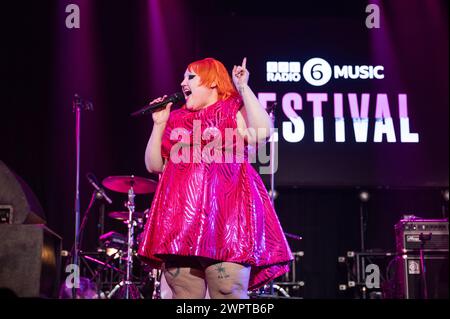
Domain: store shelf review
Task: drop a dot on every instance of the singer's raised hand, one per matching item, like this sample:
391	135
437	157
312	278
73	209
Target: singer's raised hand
161	116
240	74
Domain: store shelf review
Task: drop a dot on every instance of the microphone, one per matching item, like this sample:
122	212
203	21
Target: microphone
174	98
93	181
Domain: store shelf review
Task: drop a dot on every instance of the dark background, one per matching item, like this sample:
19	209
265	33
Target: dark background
129	52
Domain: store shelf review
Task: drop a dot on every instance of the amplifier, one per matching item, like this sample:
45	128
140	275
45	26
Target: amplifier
408	281
412	235
409	231
30	260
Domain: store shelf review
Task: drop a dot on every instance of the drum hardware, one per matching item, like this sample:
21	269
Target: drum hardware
113	240
123	184
155	276
129	292
123	216
104	265
138	218
131	185
115	275
108	274
76	255
115	250
113	244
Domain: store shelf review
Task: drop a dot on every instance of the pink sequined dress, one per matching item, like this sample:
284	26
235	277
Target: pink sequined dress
220	211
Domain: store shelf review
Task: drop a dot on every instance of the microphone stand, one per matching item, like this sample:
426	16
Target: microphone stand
271	112
101	230
77	105
272	172
101	220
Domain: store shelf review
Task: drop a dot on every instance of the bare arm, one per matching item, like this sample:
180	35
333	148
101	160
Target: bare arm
253	120
153	159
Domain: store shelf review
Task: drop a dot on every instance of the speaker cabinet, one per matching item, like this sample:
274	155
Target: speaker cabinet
15	192
409	283
30	259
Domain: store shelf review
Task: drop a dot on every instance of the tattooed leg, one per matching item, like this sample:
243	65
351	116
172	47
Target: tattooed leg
173	273
221	271
185	282
227	280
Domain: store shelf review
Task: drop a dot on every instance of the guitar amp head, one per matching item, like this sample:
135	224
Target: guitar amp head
411	233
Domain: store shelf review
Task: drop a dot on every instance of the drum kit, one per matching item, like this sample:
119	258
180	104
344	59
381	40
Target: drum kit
119	273
118	253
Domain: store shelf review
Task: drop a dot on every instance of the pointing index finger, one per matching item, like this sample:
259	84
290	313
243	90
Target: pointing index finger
244	63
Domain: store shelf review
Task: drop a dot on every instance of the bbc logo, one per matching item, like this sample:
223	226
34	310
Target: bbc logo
283	67
283	71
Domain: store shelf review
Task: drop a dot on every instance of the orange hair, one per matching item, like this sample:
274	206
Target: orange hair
211	70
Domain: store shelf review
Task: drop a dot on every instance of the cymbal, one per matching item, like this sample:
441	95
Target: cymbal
124	215
122	184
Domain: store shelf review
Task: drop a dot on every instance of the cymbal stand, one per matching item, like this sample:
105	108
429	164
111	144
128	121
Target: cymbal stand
156	276
126	288
131	223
